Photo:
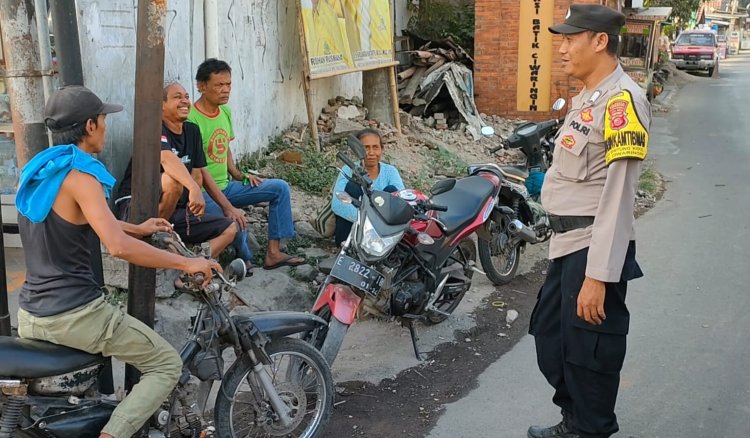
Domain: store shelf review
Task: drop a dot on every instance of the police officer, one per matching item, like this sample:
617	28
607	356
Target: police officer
581	321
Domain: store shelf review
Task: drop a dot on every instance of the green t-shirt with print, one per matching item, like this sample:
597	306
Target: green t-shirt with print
217	132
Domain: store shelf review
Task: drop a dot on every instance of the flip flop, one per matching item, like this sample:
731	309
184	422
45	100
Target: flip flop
286	262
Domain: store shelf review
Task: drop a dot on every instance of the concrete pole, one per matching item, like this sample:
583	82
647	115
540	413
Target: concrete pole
211	28
376	95
24	77
149	71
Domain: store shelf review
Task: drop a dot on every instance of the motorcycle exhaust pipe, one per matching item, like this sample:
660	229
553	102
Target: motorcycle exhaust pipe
517	228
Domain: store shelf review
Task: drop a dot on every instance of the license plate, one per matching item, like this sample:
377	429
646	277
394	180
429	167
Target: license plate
357	274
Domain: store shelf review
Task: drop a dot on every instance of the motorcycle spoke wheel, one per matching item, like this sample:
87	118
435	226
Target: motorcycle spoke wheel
500	256
301	378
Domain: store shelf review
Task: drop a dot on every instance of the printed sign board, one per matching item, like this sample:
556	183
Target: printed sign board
343	36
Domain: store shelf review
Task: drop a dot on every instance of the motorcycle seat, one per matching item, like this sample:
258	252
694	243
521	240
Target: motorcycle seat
464	201
33	359
515	172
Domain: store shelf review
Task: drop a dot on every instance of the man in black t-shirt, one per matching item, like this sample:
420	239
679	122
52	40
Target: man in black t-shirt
181	198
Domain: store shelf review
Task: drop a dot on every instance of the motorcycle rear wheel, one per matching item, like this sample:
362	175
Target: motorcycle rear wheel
302	379
464	253
499	257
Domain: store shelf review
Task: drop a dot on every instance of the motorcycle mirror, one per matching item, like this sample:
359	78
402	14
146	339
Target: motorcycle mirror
356	146
559	104
235	270
488	131
344	198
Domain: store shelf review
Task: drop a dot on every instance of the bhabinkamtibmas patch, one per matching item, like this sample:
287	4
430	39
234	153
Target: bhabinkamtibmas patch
624	133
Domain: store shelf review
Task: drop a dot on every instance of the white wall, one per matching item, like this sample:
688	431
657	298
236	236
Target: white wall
258	38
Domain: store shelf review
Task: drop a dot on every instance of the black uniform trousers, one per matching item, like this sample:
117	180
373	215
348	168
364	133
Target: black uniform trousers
580	360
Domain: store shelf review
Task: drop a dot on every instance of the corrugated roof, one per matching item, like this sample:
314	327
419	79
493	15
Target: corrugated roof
662	11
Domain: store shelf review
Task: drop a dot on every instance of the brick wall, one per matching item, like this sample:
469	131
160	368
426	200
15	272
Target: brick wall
496	58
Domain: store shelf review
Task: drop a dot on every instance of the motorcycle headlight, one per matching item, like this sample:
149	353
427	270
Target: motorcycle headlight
374	244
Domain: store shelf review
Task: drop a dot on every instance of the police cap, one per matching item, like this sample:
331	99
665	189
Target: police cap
597	18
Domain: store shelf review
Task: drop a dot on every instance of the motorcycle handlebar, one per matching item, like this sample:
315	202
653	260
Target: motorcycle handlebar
346	160
358	177
438	207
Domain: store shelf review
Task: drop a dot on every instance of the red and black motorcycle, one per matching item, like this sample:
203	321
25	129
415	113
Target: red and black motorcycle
408	256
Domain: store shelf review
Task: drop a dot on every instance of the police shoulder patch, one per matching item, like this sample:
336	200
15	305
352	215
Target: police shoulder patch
624	133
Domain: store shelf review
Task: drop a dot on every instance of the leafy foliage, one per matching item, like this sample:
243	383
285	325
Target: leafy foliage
439	19
314	175
681	9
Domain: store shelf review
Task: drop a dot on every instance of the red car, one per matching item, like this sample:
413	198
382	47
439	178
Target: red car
696	50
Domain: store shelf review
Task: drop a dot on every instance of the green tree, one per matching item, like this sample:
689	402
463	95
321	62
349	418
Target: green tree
681	9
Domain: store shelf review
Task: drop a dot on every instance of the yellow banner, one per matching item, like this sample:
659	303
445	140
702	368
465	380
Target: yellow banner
534	55
346	35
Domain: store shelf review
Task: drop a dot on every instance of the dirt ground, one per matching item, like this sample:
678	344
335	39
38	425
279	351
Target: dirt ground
409	403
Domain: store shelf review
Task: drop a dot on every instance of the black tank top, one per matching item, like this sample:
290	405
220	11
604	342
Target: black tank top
58	268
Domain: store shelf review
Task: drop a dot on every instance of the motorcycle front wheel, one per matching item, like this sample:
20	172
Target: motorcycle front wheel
302	380
499	256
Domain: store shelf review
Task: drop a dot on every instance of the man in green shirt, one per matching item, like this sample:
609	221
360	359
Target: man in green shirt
214	118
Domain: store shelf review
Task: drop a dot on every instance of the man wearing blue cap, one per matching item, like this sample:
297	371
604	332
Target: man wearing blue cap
581	321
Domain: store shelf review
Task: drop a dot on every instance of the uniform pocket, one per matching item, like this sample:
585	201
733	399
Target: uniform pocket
573	160
600	352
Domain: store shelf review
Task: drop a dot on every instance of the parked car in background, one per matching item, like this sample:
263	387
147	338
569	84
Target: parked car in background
696	50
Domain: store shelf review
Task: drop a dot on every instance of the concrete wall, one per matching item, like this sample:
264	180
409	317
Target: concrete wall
258	38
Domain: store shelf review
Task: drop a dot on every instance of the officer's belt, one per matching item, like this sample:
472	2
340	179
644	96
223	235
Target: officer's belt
562	224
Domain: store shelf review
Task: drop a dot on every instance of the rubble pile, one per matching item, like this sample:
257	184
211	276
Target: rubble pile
439	85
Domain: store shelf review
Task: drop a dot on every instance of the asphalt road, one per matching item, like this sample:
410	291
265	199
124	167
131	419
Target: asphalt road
687	373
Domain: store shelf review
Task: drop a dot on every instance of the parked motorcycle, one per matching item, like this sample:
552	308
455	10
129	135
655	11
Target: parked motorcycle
518	217
277	385
408	256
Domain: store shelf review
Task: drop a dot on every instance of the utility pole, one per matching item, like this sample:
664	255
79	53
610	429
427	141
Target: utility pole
67	46
23	78
149	71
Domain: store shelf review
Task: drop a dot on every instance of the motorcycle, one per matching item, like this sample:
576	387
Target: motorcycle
408	256
277	385
518	218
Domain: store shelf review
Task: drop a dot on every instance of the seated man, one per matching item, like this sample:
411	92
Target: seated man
61	202
214	118
182	159
384	177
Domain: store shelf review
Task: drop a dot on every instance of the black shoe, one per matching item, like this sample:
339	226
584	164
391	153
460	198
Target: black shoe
563	429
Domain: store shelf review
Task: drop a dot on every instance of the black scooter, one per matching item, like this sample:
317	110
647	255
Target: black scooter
518	217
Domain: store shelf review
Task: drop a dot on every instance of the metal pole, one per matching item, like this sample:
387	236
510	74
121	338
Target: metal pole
4	311
149	71
24	77
45	50
67	46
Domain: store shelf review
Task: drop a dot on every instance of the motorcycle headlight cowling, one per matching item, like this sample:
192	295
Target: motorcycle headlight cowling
374	244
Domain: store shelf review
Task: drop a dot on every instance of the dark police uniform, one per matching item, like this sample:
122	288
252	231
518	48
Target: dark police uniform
589	192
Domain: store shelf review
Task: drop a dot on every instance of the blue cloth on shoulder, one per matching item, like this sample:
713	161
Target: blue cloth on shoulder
42	177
